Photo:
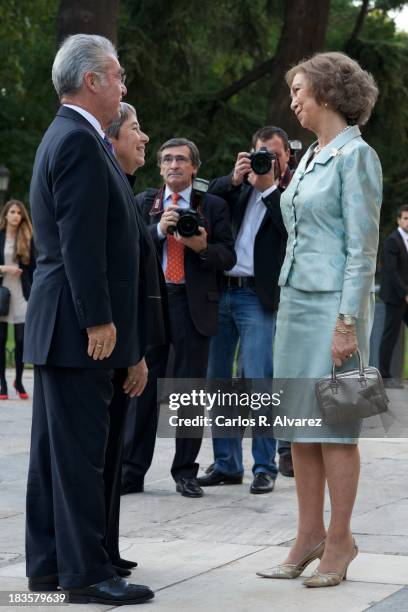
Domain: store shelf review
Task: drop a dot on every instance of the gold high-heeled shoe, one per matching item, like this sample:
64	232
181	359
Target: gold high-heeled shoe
292	570
317	579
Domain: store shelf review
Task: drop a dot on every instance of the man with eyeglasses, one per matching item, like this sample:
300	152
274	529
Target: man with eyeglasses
84	329
192	266
249	301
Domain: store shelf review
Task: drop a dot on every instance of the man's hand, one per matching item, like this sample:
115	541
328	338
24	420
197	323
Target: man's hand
242	168
13	270
101	341
136	379
262	182
169	217
406	299
196	243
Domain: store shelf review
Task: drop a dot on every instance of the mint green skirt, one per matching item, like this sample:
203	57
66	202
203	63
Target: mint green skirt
302	351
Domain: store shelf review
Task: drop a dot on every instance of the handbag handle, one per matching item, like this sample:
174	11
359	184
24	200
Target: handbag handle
360	367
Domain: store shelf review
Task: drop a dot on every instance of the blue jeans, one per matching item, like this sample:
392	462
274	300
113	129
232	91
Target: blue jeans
242	317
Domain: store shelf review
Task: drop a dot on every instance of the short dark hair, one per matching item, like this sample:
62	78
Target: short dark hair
402	209
181	142
269	131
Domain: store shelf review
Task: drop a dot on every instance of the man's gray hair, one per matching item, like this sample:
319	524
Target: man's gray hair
77	55
181	142
126	110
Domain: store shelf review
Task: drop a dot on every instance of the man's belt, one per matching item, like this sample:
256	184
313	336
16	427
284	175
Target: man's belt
237	282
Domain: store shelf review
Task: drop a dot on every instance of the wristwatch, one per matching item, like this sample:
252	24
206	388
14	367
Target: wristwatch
347	319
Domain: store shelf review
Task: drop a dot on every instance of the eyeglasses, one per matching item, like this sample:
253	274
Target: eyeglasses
122	77
180	159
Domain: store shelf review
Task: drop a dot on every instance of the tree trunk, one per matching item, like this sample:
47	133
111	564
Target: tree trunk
303	33
87	17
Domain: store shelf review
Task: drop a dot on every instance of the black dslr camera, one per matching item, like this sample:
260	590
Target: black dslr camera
188	223
189	218
261	161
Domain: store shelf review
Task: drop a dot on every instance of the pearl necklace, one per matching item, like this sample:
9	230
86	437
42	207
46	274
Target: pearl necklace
321	147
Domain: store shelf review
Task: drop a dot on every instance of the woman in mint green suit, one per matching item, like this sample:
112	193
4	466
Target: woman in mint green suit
331	211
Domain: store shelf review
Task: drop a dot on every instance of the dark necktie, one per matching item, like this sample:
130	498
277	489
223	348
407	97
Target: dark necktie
109	145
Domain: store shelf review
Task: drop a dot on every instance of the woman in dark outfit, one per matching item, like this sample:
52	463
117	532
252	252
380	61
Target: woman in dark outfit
17	263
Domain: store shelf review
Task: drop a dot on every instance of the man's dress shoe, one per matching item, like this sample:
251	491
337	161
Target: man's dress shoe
262	483
128	487
124	563
189	487
43	583
121	571
286	465
217	478
114	591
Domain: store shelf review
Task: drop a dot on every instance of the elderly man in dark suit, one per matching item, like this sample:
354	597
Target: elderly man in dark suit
83	328
394	292
192	266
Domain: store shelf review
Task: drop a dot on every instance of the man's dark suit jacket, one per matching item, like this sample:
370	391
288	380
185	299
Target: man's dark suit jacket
202	277
27	269
270	241
394	278
87	236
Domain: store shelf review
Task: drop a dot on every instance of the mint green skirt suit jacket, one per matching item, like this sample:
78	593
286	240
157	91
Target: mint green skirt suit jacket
331	211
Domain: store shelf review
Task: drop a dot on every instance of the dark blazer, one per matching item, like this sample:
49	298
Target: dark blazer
27	269
394	276
155	318
87	236
270	241
202	276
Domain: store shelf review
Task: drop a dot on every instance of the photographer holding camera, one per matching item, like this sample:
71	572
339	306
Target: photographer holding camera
192	234
250	296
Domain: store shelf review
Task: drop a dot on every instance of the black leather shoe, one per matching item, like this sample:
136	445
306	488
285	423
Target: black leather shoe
189	487
209	469
286	465
262	483
121	571
124	563
114	591
43	583
218	478
131	487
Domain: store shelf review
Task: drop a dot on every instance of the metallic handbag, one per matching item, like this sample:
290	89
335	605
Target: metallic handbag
351	395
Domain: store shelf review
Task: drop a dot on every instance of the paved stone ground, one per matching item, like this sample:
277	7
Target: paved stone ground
202	554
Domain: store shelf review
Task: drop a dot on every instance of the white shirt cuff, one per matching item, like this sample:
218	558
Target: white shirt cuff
160	234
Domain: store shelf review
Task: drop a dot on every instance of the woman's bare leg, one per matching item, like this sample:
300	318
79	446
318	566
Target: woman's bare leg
342	469
310	483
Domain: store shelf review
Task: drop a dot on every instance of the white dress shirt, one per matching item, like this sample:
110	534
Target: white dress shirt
244	244
92	120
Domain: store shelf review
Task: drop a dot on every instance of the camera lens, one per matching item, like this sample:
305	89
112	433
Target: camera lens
187	225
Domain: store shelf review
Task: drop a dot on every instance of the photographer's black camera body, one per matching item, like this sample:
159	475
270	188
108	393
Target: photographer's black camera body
188	223
261	161
190	219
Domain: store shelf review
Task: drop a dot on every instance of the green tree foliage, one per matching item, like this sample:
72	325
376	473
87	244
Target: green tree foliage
183	59
27	101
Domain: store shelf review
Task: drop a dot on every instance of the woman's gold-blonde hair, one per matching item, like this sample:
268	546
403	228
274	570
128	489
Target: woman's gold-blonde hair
24	234
338	81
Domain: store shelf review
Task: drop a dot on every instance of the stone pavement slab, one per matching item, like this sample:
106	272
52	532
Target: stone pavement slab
202	554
